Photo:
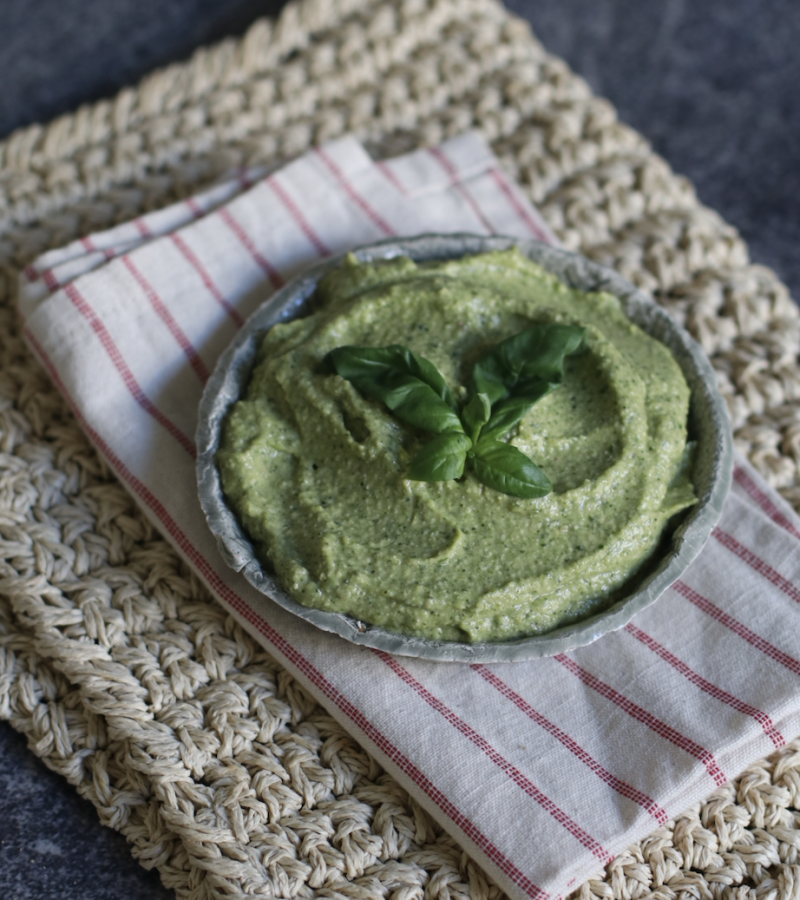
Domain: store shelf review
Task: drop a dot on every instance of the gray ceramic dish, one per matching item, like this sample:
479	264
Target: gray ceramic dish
708	425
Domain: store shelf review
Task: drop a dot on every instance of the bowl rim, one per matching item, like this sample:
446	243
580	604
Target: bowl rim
233	368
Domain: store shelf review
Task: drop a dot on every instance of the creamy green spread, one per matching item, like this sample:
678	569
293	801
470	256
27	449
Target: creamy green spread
318	474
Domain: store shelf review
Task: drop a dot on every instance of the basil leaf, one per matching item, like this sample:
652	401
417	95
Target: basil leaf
441	459
537	352
376	362
476	414
505	384
411	386
508	412
548	348
490	377
412	401
504	468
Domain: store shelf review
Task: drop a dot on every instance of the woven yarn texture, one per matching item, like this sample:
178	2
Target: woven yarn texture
125	676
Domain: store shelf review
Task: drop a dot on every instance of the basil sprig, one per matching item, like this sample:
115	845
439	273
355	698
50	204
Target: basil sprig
504	385
410	385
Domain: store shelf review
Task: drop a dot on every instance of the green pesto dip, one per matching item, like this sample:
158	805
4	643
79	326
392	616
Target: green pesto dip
318	474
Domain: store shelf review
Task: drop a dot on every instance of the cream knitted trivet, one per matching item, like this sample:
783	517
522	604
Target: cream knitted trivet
81	568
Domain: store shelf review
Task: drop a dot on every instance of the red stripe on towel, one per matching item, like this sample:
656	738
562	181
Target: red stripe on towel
641	715
206	278
194	208
143	228
88	243
743	479
266	266
50	280
392	178
353	194
621	787
494	755
737	627
297	214
707	687
126	374
757	564
441	157
168	319
523	214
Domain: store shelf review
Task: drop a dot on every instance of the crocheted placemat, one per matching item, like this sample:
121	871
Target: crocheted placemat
122	672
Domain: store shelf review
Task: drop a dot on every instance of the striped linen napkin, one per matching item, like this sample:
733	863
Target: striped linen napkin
542	770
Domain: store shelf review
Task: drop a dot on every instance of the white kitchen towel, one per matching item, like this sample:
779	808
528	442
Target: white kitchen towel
543	770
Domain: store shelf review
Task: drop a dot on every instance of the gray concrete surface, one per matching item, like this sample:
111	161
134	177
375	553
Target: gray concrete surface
713	86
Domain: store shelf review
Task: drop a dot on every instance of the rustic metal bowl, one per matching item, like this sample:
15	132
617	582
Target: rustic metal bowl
708	425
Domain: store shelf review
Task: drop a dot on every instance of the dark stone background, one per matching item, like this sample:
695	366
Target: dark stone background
712	84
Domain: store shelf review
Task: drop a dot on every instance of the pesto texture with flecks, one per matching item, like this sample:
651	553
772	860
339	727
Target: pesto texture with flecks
318	473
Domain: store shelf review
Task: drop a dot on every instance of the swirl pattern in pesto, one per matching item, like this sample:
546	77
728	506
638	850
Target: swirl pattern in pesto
318	473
